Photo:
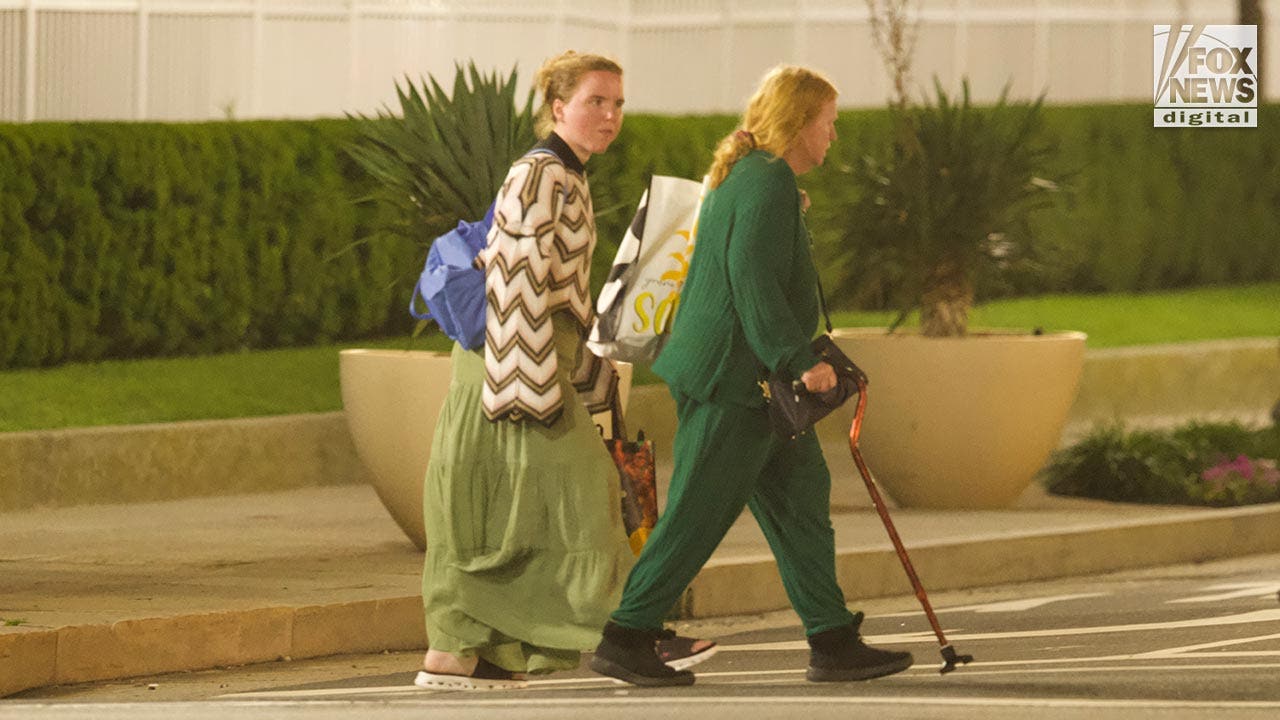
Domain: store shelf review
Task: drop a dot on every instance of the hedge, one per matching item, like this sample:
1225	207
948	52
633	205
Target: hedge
1156	208
1140	208
133	240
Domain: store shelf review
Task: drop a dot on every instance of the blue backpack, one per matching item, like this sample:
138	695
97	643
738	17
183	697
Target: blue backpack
452	286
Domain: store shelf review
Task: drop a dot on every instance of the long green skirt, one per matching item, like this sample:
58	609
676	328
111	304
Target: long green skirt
526	553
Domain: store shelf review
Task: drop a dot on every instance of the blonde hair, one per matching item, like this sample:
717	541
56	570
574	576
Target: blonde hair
558	78
788	98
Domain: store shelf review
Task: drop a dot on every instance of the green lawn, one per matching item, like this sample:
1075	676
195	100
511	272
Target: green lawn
300	380
1122	319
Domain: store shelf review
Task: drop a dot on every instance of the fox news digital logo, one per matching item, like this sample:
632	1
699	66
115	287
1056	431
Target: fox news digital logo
1206	76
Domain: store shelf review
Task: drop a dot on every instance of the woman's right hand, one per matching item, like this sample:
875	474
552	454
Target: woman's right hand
819	378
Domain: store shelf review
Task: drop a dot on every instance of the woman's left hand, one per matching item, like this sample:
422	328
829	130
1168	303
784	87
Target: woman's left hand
804	201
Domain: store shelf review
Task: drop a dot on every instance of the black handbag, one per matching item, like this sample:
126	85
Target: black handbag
793	410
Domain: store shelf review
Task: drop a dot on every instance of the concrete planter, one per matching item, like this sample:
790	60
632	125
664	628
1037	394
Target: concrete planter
962	422
391	399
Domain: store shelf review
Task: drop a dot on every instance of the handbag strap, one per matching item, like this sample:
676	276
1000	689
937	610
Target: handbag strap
615	417
822	300
817	276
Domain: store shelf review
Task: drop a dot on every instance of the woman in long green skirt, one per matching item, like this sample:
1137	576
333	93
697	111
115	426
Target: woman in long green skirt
525	546
526	552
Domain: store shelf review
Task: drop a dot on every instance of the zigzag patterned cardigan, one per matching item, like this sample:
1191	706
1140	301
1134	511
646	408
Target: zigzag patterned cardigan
538	262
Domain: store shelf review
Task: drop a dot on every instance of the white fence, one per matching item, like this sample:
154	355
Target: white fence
202	59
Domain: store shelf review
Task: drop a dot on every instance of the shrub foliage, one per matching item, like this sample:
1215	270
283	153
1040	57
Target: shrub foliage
132	240
1195	464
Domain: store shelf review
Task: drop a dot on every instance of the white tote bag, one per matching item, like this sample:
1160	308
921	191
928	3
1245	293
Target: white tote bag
639	300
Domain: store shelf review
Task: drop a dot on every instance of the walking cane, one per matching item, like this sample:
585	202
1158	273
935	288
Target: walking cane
949	656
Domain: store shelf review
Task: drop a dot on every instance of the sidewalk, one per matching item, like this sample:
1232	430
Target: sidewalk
114	591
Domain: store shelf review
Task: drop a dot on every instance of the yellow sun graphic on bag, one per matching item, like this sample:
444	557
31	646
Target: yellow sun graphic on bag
681	269
657	316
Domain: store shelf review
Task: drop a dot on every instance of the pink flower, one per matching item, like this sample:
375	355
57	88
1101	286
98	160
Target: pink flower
1220	473
1262	472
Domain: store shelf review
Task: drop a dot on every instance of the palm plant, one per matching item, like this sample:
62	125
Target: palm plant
946	205
445	156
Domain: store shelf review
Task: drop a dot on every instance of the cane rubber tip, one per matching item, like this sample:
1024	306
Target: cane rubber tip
950	658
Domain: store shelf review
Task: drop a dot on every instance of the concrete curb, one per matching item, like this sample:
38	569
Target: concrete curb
748	585
165	461
149	646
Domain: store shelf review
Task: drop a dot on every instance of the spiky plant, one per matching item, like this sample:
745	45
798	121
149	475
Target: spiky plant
947	202
443	158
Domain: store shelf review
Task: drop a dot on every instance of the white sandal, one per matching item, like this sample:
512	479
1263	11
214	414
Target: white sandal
486	676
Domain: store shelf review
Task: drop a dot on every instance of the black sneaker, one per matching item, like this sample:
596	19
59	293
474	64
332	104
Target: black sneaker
840	655
680	652
630	655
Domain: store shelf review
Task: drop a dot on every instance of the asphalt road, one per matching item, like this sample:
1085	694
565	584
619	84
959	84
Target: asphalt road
1175	642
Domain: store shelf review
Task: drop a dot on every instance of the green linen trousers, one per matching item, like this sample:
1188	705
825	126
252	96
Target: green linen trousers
727	458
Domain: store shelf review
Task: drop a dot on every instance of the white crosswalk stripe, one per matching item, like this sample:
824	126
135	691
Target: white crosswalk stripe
1006	606
1234	591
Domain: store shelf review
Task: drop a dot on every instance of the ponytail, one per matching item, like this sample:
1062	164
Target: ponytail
731	149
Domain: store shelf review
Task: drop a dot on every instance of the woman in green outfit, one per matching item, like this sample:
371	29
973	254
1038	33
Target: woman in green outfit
526	553
750	302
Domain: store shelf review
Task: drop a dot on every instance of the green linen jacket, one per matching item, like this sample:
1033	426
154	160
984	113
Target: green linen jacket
750	300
